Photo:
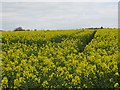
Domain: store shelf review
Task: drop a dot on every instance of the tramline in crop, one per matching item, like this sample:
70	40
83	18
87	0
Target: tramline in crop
58	59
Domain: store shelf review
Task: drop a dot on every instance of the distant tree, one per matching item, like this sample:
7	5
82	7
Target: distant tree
28	30
19	29
35	29
101	27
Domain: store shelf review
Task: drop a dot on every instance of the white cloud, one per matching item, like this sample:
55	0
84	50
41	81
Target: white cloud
57	15
0	16
60	0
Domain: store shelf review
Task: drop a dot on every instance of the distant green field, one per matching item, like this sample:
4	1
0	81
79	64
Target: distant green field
60	59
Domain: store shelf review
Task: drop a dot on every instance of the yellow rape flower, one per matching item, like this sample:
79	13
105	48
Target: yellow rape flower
44	83
4	82
45	70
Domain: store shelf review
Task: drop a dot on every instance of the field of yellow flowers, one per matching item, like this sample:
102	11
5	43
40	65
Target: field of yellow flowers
60	59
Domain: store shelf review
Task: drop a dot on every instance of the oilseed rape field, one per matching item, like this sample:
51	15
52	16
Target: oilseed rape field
60	59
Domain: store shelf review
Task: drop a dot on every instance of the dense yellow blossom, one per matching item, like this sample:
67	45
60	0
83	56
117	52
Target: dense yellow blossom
60	59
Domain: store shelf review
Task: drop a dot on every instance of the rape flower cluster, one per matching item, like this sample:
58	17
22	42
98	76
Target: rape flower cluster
58	59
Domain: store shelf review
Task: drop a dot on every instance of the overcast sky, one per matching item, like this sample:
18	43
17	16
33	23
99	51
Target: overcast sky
59	15
59	0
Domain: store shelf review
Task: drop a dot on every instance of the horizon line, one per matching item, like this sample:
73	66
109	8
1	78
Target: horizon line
64	29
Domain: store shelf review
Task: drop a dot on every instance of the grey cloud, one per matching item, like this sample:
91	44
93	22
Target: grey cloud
61	0
55	15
